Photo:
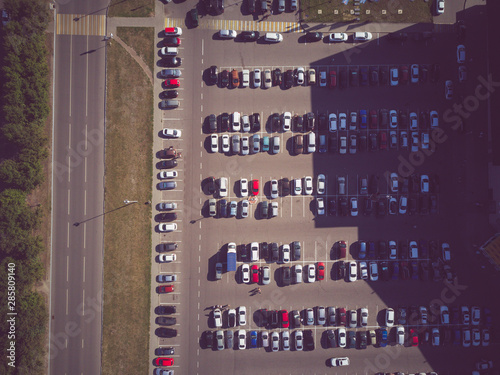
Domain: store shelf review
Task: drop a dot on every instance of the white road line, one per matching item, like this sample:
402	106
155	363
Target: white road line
67	239
67	268
85	202
202	47
83	269
69	198
70	72
83	302
69	138
82	342
67	293
87	83
84	235
85	165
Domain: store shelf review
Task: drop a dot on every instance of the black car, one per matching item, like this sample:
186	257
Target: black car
287	276
373	75
363	143
167	216
393	207
164	351
435	73
403	250
288	79
398	36
224	122
373	142
332	207
424	120
209	339
341	267
434	184
171	61
384	271
212	75
166	332
368	206
295	318
251	6
424	271
212	123
169	94
322	121
363	339
330	335
277	77
354	80
275	255
165	320
255	121
343	77
224	78
310	121
243	253
223	208
314	37
296	250
363	72
210	183
382	250
384	75
165	164
404	186
333	143
163	247
217	6
424	73
344	209
298	123
414	183
309	340
165	310
231	320
424	205
285	187
264	250
351	339
249	36
373	185
434	250
413	206
274	320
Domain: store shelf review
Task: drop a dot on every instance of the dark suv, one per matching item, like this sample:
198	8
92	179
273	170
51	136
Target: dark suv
296	250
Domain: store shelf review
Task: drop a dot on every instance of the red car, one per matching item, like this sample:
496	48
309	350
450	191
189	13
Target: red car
164	361
342	249
383	140
165	288
373	119
172	83
333	78
414	337
255	274
403	74
321	271
342	316
171	41
255	187
285	323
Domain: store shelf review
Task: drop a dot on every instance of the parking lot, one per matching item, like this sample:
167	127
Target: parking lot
203	239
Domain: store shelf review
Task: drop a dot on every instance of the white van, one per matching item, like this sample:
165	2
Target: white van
169	51
311	142
245	81
273	37
235	121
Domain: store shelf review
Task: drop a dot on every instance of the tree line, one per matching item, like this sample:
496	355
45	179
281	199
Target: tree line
24	110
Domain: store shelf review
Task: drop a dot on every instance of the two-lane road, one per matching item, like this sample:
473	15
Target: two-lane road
78	189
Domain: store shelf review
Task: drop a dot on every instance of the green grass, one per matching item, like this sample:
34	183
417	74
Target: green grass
131	8
412	11
135	37
127	237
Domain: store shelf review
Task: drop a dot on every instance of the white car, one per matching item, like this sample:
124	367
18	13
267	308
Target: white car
465	315
242	339
274	189
217	318
434	119
297	186
425	141
297	273
403	204
448	90
299	340
167	227
373	271
214	143
343	145
245	273
266	275
400	335
322	78
244	187
168	174
341	337
354	121
273	37
254	251
353	271
287	121
414	141
275	341
308	185
244	208
320	206
245	146
394	74
460	54
354	206
342	121
363	317
223	187
225	143
424	183
285	338
264	336
413	121
321	184
389	317
340	361
413	254
445	248
164	258
257	78
227	34
363	270
394	182
267	79
362	36
242	316
414	73
300	76
171	133
439	6
245	123
403	139
285	254
311	76
332	120
311	273
235	121
393	117
337	37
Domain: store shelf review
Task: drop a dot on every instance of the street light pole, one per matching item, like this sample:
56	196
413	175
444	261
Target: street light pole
126	201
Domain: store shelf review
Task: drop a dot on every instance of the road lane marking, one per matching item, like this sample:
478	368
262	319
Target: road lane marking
83	302
67	268
69	198
83	269
67	293
69	134
67	239
85	167
84	235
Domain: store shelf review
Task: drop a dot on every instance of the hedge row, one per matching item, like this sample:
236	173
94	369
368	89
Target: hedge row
24	108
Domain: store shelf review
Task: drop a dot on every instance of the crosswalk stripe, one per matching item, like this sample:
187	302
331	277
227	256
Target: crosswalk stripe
80	24
240	25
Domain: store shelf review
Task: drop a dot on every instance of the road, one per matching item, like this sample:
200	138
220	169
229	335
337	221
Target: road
78	192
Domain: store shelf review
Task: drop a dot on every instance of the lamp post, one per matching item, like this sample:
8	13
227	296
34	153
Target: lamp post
126	201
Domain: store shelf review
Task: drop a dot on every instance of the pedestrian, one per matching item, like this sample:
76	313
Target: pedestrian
259	291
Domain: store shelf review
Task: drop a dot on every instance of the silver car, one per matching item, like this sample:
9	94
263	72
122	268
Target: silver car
229	339
256	143
321	315
297	272
266	275
299	340
275	341
264	336
309	317
245	147
219	335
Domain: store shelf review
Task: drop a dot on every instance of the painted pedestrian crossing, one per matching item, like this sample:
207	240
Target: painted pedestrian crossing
240	25
80	24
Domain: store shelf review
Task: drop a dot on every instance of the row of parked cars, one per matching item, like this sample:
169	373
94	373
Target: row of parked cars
168	52
348	76
244	145
241	209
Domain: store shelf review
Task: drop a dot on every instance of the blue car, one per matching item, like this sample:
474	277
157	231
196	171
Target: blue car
395	271
253	339
363	119
383	338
